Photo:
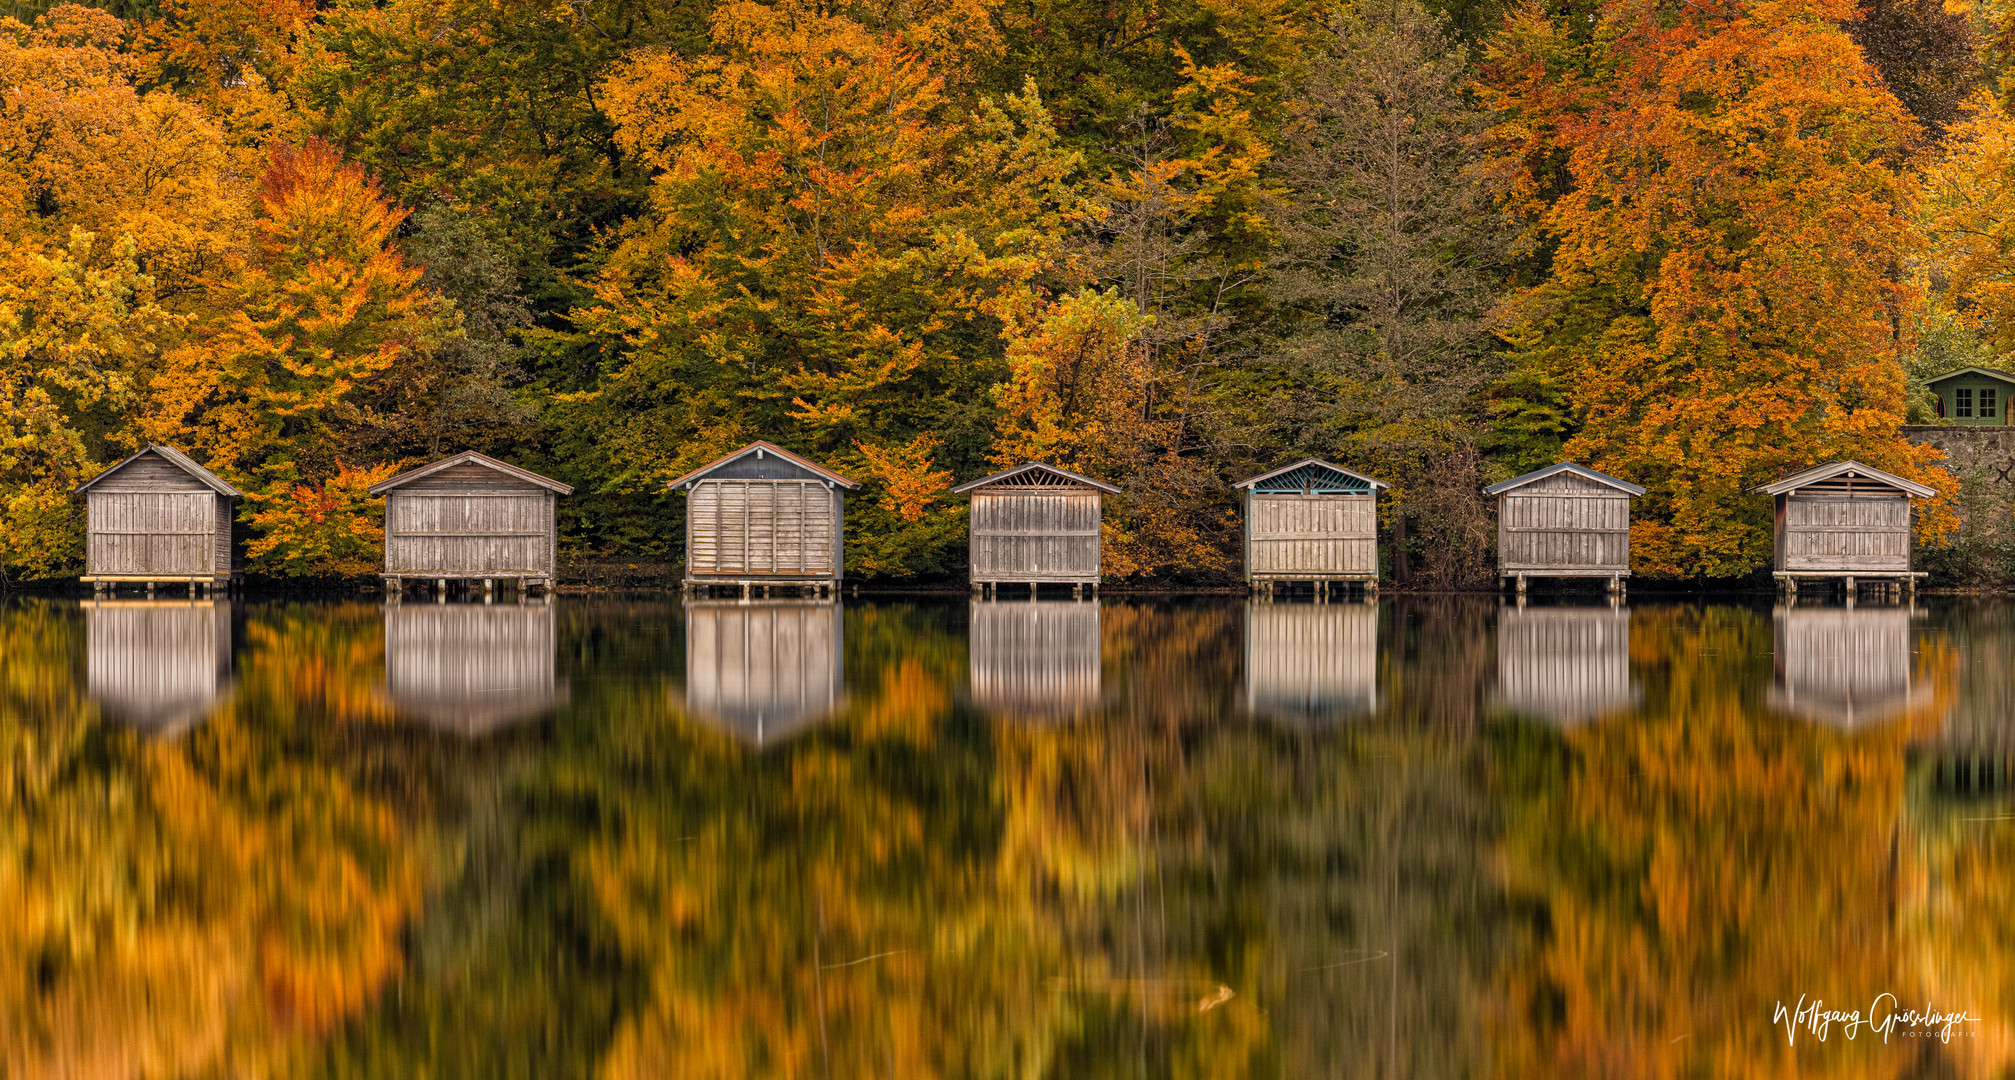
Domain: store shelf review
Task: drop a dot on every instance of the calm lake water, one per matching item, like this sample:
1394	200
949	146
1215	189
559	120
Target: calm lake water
1426	838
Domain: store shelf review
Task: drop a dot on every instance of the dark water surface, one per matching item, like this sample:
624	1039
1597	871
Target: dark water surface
1425	838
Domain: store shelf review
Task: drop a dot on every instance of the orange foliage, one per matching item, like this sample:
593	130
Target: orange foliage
335	528
318	313
1721	184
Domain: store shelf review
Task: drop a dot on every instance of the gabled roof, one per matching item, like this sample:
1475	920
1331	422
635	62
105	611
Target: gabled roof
1851	469
1110	489
173	457
760	447
467	457
1582	471
1264	477
2005	376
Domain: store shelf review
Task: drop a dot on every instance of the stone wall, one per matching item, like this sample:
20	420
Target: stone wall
1980	454
1982	551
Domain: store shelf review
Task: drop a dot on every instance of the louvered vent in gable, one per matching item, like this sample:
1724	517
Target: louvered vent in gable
1035	478
1313	480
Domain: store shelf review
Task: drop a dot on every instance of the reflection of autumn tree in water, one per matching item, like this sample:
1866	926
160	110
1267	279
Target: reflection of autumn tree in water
178	907
1159	889
1958	858
1691	865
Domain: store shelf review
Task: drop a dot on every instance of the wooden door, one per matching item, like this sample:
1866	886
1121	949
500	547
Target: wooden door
470	534
1041	534
1313	534
163	534
1845	532
760	528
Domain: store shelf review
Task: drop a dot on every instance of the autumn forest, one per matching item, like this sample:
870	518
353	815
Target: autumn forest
1697	244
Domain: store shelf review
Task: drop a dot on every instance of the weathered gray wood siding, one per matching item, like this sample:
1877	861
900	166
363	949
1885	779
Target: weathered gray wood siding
763	528
1311	660
766	669
1035	534
1038	658
471	521
157	664
151	519
1844	667
1564	664
1563	523
1840	530
472	668
1319	534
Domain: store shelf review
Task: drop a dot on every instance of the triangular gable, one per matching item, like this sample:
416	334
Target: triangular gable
1037	466
1312	474
1851	469
471	457
173	457
1569	467
1990	373
759	448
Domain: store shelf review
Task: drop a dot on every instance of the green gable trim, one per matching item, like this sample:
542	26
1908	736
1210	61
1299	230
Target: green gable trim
1972	373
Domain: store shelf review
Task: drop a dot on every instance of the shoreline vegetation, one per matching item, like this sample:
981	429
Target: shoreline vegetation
1165	244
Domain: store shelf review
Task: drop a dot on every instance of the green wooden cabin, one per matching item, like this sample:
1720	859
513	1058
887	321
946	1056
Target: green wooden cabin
1975	396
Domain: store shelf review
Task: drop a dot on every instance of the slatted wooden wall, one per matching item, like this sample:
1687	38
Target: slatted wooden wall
1844	667
471	521
1563	522
1035	533
763	528
1311	660
1317	534
472	668
766	669
1038	658
1564	664
1841	526
157	664
151	519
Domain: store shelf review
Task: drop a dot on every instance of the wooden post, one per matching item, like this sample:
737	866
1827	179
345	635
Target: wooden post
150	590
1521	586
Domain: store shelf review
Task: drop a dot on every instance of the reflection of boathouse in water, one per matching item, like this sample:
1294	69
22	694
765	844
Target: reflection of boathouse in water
1311	660
472	668
1036	657
158	665
1844	666
763	670
1567	664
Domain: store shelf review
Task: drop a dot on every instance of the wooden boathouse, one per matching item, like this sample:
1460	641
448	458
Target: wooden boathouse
1038	524
1564	521
763	517
1311	521
470	517
1844	520
158	518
